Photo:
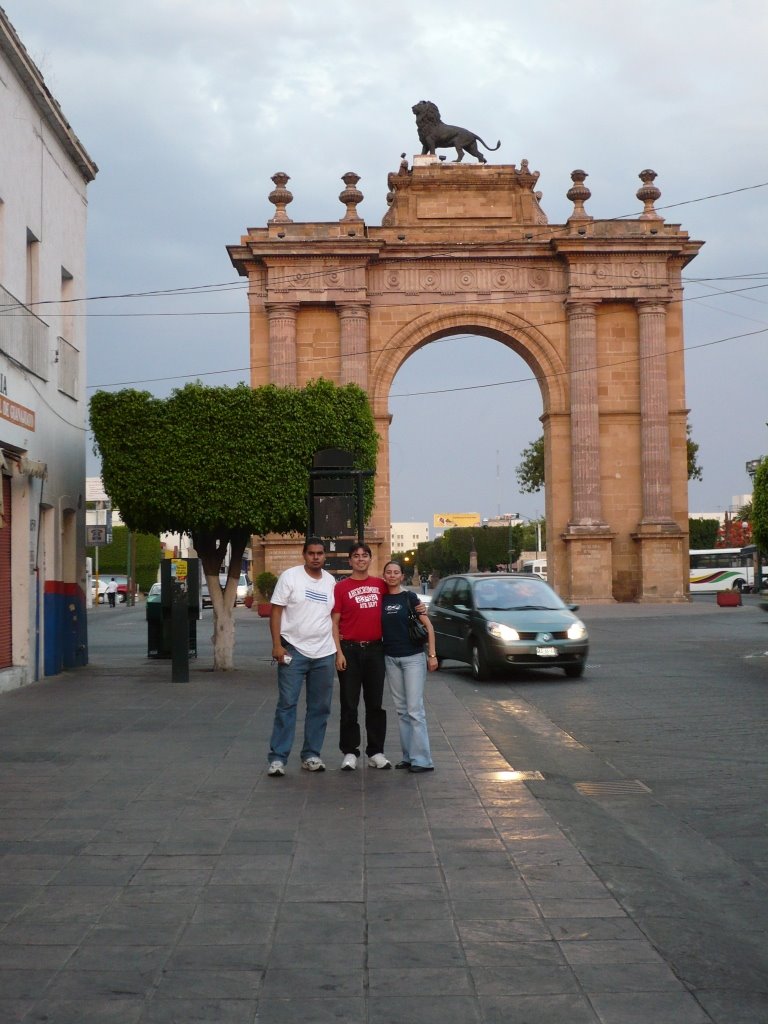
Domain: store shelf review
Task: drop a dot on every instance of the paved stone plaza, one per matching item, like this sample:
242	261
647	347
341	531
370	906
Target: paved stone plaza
152	872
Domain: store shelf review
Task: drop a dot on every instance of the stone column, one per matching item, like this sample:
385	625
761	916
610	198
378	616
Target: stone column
654	413
282	342
659	538
585	422
353	325
588	540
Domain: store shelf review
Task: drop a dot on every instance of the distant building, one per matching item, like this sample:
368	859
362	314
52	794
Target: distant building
406	536
737	501
505	519
44	173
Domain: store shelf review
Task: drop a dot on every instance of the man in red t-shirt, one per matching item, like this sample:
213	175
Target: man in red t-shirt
356	619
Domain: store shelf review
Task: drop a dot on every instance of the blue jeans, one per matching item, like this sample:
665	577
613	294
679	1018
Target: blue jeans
406	678
317	675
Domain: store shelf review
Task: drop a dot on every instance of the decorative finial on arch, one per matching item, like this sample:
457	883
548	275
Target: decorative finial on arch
280	196
351	196
578	194
648	194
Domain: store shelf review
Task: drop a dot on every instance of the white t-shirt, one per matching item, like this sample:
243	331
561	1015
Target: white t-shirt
307	604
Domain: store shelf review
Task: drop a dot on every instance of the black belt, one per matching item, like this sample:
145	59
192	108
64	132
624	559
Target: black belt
361	643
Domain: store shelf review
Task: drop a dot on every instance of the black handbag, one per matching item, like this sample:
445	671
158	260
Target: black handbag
417	631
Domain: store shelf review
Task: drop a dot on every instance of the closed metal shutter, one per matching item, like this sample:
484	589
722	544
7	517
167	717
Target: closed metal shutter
6	650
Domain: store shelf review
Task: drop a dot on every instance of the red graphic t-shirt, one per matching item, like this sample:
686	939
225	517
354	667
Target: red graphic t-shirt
358	603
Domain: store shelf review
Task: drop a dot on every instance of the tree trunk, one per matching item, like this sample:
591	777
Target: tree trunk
211	547
223	637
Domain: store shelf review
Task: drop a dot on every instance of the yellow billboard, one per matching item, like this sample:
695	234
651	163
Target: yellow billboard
445	520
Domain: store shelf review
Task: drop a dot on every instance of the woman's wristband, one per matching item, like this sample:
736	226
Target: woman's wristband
431	655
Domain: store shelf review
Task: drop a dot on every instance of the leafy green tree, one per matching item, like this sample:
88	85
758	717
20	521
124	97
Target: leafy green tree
221	464
694	469
702	533
760	507
530	472
408	560
113	558
450	553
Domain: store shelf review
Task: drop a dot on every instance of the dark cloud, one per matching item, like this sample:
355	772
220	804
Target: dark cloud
189	107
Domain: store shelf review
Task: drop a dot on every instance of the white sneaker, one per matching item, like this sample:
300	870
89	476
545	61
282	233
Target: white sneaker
313	764
349	763
379	761
276	768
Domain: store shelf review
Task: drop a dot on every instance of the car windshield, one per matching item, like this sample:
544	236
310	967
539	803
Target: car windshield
515	595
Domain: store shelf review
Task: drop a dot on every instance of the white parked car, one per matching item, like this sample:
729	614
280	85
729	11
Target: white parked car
244	587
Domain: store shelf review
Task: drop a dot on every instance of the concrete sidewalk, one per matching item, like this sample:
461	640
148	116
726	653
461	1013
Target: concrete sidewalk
152	872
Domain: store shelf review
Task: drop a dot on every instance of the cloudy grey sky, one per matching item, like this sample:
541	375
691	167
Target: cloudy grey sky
188	107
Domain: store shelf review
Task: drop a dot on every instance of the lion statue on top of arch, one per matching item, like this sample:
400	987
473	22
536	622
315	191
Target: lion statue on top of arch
433	134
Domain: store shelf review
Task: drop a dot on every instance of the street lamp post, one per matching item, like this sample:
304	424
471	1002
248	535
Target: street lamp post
536	522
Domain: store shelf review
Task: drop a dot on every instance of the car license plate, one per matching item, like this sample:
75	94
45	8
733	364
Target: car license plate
546	652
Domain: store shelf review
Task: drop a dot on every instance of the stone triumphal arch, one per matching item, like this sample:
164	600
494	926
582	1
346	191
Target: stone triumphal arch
593	306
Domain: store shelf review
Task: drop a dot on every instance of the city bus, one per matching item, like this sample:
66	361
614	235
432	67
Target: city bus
715	569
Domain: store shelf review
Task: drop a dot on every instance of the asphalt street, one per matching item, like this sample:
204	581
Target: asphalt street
589	851
656	766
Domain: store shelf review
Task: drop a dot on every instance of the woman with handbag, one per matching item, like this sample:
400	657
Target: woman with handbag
405	634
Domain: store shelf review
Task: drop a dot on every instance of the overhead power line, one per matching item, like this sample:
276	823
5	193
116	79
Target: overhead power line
543	232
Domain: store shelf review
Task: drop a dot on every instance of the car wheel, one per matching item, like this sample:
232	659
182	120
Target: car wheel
574	671
479	662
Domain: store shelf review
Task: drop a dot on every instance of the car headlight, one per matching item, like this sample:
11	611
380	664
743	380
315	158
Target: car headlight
577	631
502	632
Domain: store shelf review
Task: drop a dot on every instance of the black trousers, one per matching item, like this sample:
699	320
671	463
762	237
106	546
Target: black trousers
364	671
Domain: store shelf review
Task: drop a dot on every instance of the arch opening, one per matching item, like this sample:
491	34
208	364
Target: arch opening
463	408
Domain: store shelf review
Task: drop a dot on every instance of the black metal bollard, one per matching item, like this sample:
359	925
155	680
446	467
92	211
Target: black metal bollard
179	635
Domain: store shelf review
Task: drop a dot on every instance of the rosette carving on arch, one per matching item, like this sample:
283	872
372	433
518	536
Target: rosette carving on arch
538	278
620	274
430	280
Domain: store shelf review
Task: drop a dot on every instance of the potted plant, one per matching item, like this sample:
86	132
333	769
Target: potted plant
265	584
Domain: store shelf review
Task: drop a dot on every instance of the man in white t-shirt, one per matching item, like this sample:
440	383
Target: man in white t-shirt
305	652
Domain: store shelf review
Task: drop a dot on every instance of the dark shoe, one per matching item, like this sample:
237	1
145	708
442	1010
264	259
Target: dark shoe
403	764
417	769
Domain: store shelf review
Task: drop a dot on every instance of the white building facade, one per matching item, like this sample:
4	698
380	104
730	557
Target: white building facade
406	536
44	173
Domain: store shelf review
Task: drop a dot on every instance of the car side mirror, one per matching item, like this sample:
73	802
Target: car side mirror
461	607
573	607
